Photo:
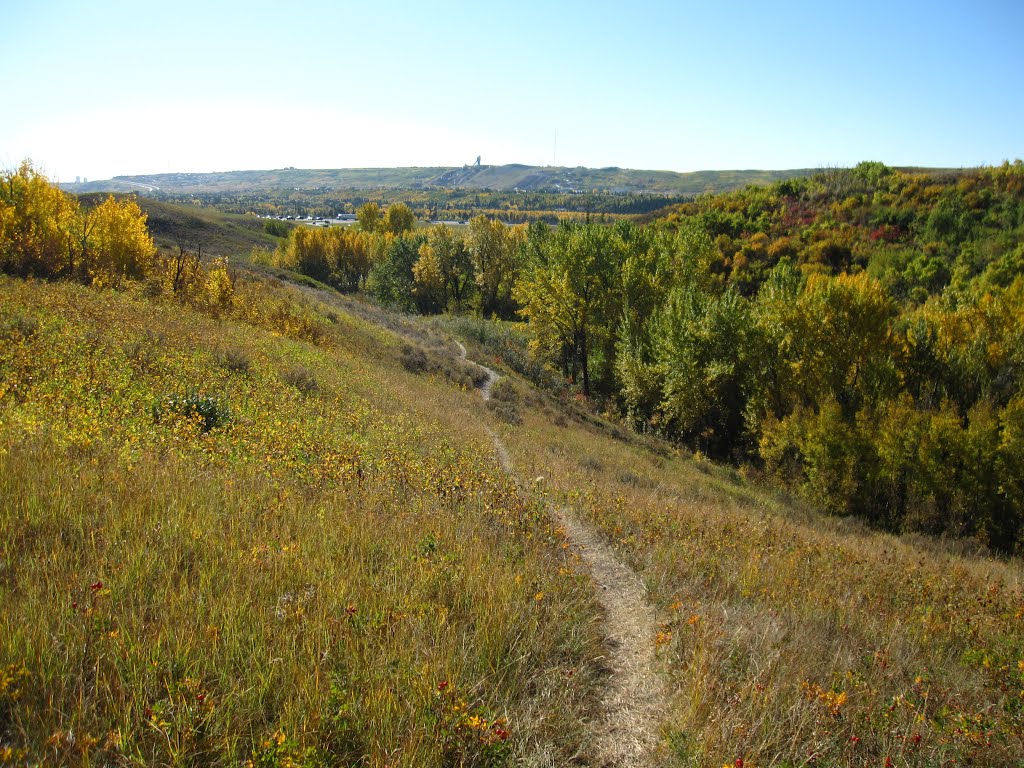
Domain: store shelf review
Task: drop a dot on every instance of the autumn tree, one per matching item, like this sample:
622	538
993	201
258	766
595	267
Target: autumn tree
445	269
569	292
369	217
399	219
44	232
116	242
494	249
39	225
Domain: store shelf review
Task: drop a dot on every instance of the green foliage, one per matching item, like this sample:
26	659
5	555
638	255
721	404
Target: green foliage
392	279
276	227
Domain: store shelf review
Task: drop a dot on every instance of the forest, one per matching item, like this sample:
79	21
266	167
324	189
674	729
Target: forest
854	336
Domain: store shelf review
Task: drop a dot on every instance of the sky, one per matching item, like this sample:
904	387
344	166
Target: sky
110	87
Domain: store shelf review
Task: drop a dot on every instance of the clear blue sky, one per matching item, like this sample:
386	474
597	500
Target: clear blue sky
104	87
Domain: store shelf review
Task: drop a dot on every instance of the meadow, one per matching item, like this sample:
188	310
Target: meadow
793	639
221	544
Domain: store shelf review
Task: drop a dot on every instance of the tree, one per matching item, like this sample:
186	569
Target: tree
493	248
116	242
39	225
44	232
448	264
369	217
569	292
399	219
703	353
428	281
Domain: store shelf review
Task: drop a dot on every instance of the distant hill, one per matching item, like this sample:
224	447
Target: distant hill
495	177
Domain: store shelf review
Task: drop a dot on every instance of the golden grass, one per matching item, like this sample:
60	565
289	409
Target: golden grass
326	566
793	639
327	576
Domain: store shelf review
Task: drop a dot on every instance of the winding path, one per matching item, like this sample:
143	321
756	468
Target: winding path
635	699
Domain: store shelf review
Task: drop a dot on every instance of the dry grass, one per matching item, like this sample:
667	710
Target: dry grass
330	580
792	639
344	576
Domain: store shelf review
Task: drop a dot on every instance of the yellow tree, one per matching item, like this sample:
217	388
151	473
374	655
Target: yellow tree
493	247
428	281
38	225
369	217
116	242
399	219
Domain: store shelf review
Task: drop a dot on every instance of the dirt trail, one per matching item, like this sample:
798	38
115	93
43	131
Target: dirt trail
635	700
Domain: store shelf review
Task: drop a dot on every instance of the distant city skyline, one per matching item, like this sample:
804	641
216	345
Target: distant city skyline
97	90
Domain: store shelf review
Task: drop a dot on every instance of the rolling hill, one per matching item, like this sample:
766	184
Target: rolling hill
494	177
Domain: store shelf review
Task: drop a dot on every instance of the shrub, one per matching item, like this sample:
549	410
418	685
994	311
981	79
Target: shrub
302	378
505	410
414	359
211	411
505	391
20	326
144	352
233	359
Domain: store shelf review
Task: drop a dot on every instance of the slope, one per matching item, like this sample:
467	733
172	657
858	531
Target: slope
251	534
495	177
281	533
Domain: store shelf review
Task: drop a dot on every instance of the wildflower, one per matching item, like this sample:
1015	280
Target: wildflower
441	686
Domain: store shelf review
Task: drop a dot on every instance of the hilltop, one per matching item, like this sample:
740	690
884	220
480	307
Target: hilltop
504	178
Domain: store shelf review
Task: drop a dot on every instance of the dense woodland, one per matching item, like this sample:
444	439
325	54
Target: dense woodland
855	335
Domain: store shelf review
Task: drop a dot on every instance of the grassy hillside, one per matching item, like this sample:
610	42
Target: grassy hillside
495	177
197	227
277	533
790	638
257	537
219	234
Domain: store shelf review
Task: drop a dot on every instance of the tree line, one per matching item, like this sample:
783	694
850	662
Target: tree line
855	336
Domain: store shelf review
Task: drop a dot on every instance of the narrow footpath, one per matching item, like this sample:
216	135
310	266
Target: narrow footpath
634	702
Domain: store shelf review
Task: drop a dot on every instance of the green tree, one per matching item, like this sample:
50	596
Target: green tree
569	291
399	219
369	217
702	351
